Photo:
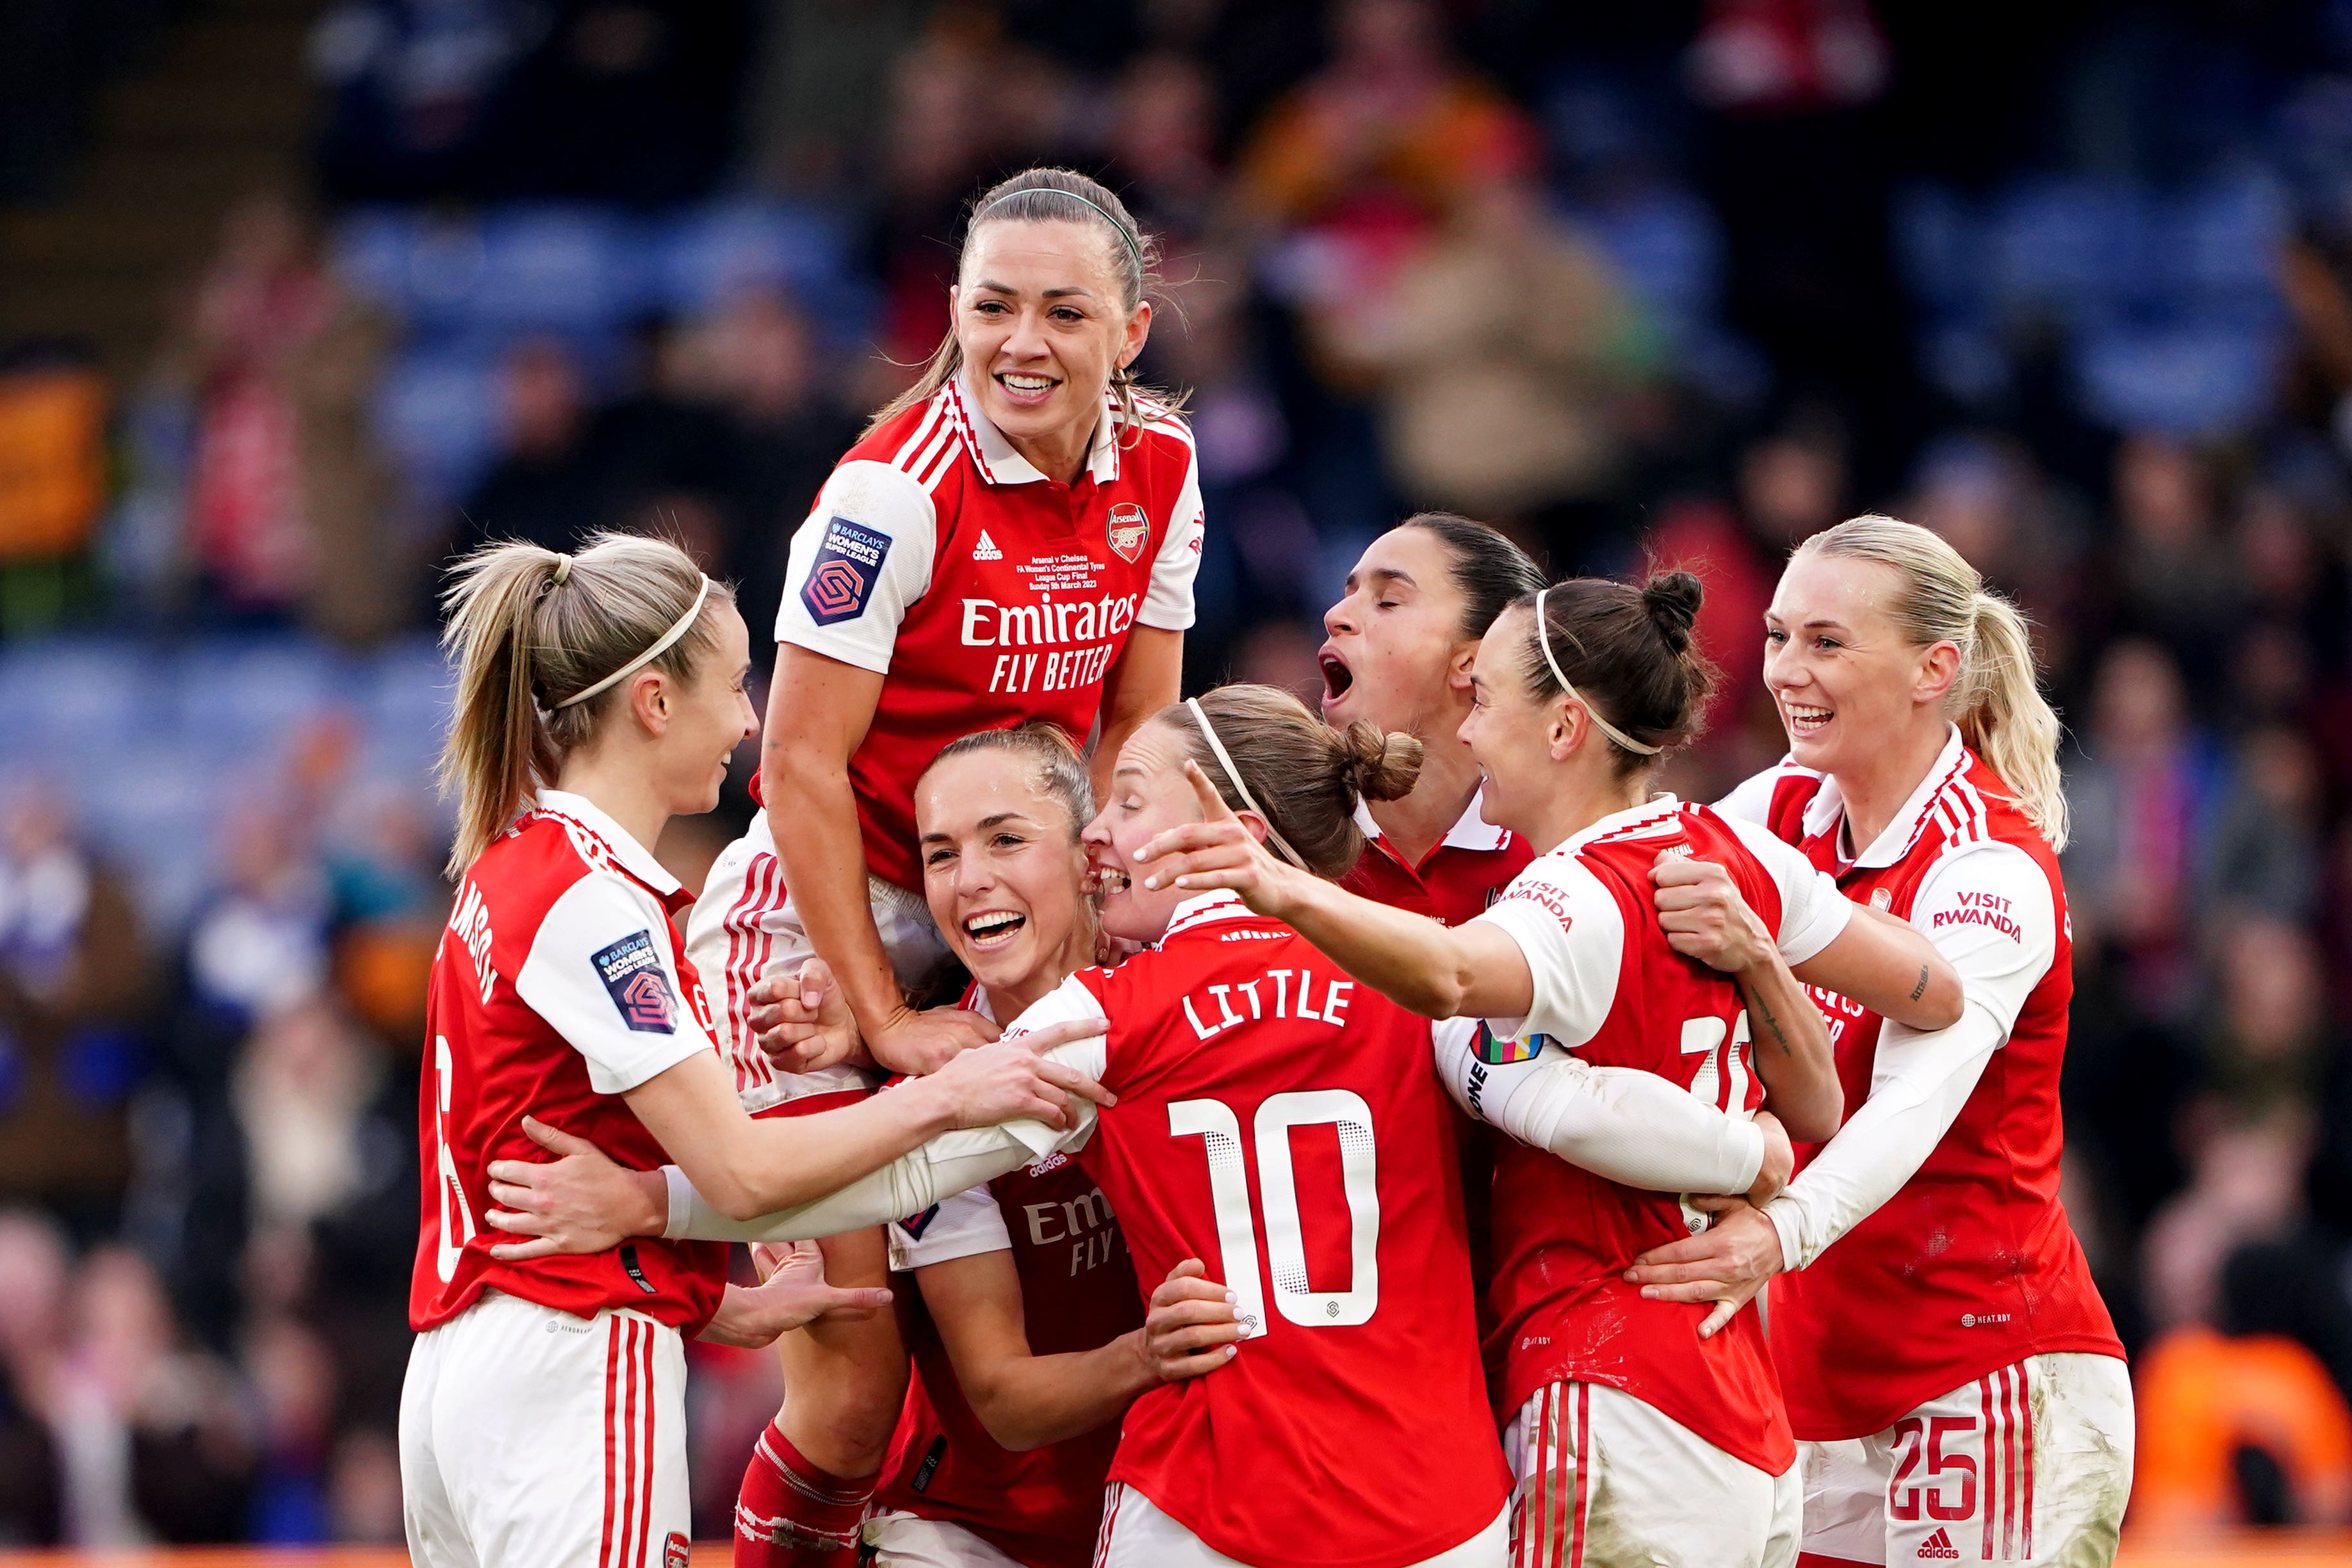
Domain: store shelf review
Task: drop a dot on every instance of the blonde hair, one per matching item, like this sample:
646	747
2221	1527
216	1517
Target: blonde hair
1056	196
2000	710
530	628
1303	776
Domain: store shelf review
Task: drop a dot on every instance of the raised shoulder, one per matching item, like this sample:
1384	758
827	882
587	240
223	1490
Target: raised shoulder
1781	791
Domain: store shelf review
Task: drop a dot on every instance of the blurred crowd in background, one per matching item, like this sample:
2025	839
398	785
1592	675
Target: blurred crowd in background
2070	283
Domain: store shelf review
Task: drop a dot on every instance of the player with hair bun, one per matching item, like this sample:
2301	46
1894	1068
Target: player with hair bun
542	1416
1644	1424
1015	538
1949	1364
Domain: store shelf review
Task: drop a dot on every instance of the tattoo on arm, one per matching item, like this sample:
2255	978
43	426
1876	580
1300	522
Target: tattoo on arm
1757	1011
1921	989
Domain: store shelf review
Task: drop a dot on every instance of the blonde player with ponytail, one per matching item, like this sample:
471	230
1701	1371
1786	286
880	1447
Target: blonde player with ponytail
542	1419
1951	1374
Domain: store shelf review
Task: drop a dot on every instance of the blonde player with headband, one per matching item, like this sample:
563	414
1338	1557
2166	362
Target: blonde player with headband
542	1421
1652	1427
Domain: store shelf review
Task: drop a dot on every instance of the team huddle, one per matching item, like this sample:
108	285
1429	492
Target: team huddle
1202	1130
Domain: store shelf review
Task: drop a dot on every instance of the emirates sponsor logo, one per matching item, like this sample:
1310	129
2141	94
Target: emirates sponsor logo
985	548
1939	1546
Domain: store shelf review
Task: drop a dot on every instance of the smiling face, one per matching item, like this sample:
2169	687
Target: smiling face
1003	872
1845	681
1395	654
1149	794
1510	734
710	716
1042	321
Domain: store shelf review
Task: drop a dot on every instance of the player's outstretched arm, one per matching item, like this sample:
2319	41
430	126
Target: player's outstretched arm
1148	676
1628	1125
1436	970
794	1295
1890	968
819	709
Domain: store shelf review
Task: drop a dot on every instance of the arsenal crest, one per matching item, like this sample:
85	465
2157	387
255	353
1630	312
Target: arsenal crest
1129	530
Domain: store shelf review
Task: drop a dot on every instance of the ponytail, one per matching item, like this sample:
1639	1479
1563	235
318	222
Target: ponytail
2005	720
1996	701
537	637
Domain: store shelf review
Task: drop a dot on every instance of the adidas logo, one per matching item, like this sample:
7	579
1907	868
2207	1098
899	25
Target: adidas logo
1939	1546
985	550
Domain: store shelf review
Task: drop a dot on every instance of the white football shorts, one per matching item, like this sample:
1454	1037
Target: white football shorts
530	1438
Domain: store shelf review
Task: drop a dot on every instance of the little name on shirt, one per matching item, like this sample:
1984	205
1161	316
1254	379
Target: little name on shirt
1276	994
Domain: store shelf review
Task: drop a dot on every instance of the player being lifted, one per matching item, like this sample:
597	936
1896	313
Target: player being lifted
1628	1424
1015	538
1348	1384
1955	1379
542	1416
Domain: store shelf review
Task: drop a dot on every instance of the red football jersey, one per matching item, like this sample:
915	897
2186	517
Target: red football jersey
988	593
1284	1125
1972	1266
1042	1508
558	987
1610	988
1460	876
1453	882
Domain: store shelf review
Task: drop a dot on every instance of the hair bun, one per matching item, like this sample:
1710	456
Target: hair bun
1377	765
1672	599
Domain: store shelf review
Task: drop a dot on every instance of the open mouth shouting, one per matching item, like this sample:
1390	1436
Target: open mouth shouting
1805	721
1338	678
992	929
1025	388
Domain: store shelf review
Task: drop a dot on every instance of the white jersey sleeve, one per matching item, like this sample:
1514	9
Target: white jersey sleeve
950	1163
1814	913
1623	1123
603	972
961	1225
857	564
1989	910
1167	602
1573	937
1751	801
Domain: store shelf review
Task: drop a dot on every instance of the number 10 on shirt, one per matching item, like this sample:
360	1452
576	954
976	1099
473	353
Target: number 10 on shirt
1220	1131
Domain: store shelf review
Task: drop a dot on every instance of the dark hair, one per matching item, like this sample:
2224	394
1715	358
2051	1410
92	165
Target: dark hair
1044	745
1058	196
1305	776
1628	652
1492	573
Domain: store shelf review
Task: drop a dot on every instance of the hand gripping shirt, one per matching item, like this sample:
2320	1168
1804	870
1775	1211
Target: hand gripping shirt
559	986
1926	1241
988	594
1609	988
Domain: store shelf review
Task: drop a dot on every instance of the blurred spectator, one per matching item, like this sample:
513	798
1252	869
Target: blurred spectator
1502	352
53	410
2262	858
153	1436
1792	484
414	89
2138	795
301	1083
542	486
2176	579
264	299
2241	1425
34	1265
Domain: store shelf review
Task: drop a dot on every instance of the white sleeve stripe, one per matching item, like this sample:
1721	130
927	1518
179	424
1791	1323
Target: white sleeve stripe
921	437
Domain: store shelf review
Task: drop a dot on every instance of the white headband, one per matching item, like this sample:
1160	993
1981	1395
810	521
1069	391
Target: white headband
661	644
1240	788
1543	640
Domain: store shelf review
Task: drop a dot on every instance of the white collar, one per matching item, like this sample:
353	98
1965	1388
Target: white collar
631	856
1000	465
1472	832
1217	904
1825	813
1655	810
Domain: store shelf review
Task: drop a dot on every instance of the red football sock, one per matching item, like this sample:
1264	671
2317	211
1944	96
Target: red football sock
791	1514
